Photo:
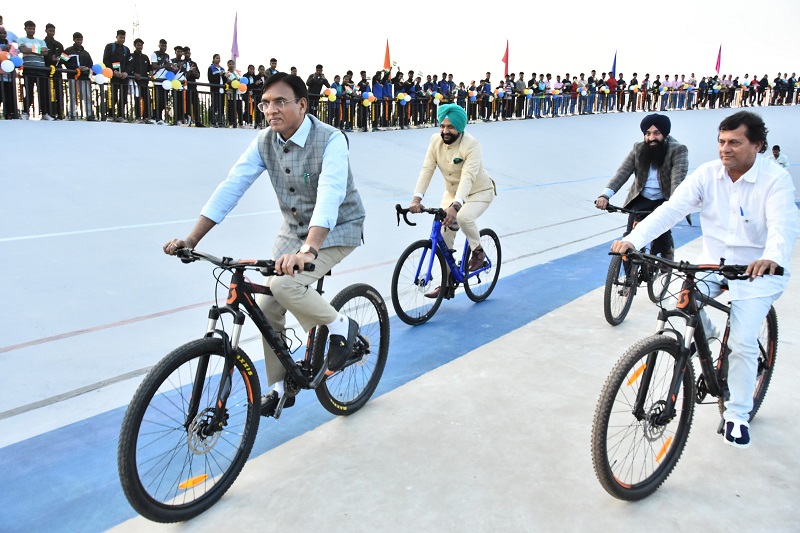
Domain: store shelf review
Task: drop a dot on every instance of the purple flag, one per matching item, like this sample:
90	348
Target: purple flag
235	45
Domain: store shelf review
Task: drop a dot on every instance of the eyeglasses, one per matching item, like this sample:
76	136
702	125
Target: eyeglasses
278	104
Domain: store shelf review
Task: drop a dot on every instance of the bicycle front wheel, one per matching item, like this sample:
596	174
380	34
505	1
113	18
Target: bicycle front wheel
634	452
620	289
658	284
409	283
480	284
767	350
172	464
346	391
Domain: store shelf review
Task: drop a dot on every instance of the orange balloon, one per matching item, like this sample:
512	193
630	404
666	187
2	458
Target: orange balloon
242	88
108	73
372	98
4	55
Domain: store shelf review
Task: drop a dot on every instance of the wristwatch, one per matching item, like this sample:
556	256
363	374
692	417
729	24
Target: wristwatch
307	248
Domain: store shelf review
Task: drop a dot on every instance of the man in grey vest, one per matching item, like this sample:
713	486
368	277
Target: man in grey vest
308	164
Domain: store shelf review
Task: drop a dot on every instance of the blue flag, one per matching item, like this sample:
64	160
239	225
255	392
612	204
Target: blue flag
614	67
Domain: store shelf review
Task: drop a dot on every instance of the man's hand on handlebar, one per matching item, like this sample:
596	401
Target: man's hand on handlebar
172	246
620	247
416	205
450	215
601	202
760	267
289	264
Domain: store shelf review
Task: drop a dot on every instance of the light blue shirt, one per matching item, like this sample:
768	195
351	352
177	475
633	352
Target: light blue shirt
331	188
652	188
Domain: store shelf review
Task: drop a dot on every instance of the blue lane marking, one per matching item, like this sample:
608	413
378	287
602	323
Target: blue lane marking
66	479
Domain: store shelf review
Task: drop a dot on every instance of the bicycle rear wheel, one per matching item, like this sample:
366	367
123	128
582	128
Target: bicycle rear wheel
633	455
767	350
173	468
346	391
480	285
619	291
409	286
658	283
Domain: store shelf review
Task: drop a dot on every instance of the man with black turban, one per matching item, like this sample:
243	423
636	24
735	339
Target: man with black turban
660	163
468	187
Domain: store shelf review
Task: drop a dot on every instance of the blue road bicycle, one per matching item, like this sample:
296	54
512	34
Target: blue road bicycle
428	264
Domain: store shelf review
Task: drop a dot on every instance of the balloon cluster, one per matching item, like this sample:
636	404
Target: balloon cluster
367	98
330	93
240	84
403	98
102	74
8	63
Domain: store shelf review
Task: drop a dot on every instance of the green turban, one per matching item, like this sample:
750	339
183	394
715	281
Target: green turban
456	114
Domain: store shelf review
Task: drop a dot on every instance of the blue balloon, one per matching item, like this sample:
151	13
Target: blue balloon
17	61
472	98
403	102
170	75
243	81
97	68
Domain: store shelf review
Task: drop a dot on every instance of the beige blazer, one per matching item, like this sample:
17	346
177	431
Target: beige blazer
462	167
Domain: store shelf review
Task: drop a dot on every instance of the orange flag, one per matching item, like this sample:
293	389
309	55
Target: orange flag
387	62
505	59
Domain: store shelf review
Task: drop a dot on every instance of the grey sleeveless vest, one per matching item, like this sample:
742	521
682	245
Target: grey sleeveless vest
294	171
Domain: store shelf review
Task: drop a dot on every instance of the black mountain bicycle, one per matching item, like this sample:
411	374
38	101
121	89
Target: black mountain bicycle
623	279
645	409
191	424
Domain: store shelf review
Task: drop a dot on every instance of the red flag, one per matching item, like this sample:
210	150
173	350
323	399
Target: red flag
505	59
235	45
719	58
387	62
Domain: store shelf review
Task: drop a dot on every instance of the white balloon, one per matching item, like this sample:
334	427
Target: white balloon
100	79
7	65
166	85
407	98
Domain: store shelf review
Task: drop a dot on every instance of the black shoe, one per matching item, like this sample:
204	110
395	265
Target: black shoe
269	402
339	348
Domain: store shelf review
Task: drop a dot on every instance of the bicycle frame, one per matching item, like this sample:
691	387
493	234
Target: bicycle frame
240	294
459	273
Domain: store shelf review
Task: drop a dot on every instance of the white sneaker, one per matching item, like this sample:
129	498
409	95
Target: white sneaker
46	117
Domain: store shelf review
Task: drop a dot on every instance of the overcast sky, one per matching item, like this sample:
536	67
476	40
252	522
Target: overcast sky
557	37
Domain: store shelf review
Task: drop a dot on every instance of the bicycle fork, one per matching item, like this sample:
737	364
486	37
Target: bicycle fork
220	418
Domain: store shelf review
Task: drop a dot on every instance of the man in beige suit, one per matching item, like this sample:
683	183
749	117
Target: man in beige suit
468	187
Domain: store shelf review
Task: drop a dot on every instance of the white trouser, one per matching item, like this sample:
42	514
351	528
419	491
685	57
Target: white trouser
746	319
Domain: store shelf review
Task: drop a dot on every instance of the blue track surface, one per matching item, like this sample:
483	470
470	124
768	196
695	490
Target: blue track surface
66	480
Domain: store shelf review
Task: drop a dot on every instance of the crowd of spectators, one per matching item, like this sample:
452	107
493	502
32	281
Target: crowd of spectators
133	86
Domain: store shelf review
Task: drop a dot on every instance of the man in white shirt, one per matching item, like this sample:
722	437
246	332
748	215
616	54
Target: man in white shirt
748	216
778	157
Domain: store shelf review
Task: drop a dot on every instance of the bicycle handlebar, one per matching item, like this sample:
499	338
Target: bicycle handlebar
614	209
265	266
733	272
438	212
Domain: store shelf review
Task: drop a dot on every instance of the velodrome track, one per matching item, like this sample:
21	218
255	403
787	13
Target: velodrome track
453	443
